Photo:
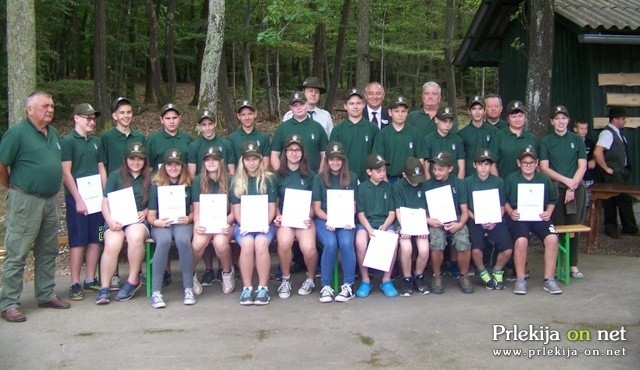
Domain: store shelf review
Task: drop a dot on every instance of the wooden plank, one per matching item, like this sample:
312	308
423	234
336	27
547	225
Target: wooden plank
624	79
601	122
562	229
623	100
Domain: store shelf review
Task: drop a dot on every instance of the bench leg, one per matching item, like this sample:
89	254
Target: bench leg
563	272
148	255
335	281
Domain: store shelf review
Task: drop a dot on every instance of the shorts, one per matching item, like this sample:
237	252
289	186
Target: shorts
360	227
500	236
438	239
271	233
82	230
521	229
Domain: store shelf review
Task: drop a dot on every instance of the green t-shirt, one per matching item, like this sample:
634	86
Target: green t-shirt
153	198
293	180
116	182
458	191
214	188
160	141
563	152
239	137
425	123
114	147
252	189
375	201
474	183
395	146
313	135
475	138
409	196
507	147
501	124
320	189
199	145
452	143
511	187
357	139
83	153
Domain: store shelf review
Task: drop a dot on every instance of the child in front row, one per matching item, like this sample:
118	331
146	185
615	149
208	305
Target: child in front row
375	212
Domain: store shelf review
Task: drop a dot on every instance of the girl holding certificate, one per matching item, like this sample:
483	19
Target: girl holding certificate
170	216
253	180
213	179
134	173
294	173
335	176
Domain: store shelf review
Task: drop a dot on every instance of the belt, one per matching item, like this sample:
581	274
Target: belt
43	196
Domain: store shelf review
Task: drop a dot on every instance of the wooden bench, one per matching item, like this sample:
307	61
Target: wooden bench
600	192
563	270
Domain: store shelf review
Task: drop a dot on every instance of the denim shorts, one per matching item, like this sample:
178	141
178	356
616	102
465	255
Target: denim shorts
239	237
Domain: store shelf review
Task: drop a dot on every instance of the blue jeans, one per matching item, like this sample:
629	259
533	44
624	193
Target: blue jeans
331	240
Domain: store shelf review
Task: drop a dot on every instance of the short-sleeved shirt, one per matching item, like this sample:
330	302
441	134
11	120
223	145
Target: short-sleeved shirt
425	123
319	115
161	141
458	190
313	135
501	124
452	143
511	187
252	189
293	180
34	159
320	188
375	201
563	152
395	146
357	139
475	138
214	188
114	147
407	195
474	183
83	153
507	147
153	198
199	145
239	137
116	182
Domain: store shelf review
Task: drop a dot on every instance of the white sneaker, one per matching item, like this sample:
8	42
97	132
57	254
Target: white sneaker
307	287
197	287
284	291
157	301
326	294
189	297
115	283
229	281
346	294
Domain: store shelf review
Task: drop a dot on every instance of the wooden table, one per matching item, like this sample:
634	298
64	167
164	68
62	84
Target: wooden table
600	192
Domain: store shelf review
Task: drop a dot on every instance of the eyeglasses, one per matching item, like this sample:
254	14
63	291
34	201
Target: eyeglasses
297	150
529	164
89	118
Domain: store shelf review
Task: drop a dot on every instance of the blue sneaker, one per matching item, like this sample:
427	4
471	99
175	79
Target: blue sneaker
261	297
363	290
103	296
127	291
246	297
388	289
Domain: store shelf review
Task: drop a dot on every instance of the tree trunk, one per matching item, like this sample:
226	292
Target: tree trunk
130	74
363	68
100	82
337	63
169	46
319	52
246	55
21	55
200	50
154	59
226	100
278	101
268	86
211	57
450	28
540	66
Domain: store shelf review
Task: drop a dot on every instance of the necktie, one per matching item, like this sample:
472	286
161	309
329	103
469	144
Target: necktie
626	150
374	119
311	113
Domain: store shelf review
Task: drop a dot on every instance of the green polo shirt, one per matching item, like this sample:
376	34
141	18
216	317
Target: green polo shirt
153	198
458	190
239	137
511	187
507	147
501	124
425	123
83	153
114	147
116	182
452	143
252	189
474	183
160	141
293	180
407	195
34	160
475	138
357	139
395	146
199	145
313	135
375	201
214	188
563	152
320	189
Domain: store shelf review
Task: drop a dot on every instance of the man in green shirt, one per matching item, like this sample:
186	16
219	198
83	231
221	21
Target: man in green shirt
478	134
443	139
168	138
246	115
493	105
424	118
509	143
195	156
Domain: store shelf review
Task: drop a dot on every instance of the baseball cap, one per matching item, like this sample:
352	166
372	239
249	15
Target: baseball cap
515	106
212	151
118	102
251	149
85	109
245	104
298	96
559	109
313	82
374	161
443	159
476	99
353	91
167	107
136	149
482	155
293	139
400	100
206	113
528	151
172	155
335	149
413	170
444	113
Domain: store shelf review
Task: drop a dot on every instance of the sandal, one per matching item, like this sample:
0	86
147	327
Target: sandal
577	275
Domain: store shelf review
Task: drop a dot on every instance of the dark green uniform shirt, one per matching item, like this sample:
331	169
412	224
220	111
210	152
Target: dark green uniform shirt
426	124
407	195
239	137
313	135
507	147
501	124
214	188
153	199
563	152
458	190
357	139
160	141
511	187
34	160
320	189
475	138
395	146
293	181
199	145
83	153
114	146
452	143
116	182
375	201
252	189
474	183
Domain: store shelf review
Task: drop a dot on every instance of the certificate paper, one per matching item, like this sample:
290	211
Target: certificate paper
440	204
413	221
340	208
122	205
171	203
530	201
90	189
213	212
295	208
254	213
381	249
486	206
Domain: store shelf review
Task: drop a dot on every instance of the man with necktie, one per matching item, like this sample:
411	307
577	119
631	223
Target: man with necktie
373	110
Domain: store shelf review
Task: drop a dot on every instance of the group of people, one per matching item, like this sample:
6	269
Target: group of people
389	158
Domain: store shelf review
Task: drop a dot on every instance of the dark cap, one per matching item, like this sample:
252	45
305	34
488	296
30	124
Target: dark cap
136	149
443	159
173	155
528	151
251	149
413	170
206	113
245	104
167	107
482	155
476	99
85	109
616	112
515	106
335	149
559	109
213	151
352	92
444	113
374	161
118	102
400	100
313	82
298	96
293	139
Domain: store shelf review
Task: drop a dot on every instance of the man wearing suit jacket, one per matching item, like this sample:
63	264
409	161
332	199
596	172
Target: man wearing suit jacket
374	111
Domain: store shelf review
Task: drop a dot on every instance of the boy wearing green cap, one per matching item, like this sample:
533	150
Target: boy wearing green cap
477	134
246	115
208	138
169	137
443	139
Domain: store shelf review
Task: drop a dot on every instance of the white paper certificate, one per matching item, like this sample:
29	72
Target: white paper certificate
413	221
171	202
122	205
213	212
530	201
340	208
90	189
381	249
486	206
254	213
440	204
295	208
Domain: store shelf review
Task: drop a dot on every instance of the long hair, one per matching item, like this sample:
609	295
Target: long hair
145	172
345	175
162	178
221	177
241	180
284	170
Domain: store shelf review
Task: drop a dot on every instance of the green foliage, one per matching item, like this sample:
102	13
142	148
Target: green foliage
67	94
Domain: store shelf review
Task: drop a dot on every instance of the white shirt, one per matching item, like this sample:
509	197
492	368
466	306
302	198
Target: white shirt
319	115
605	139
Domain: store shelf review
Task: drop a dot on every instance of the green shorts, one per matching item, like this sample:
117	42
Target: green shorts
438	239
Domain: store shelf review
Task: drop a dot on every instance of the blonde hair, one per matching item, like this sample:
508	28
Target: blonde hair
241	180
